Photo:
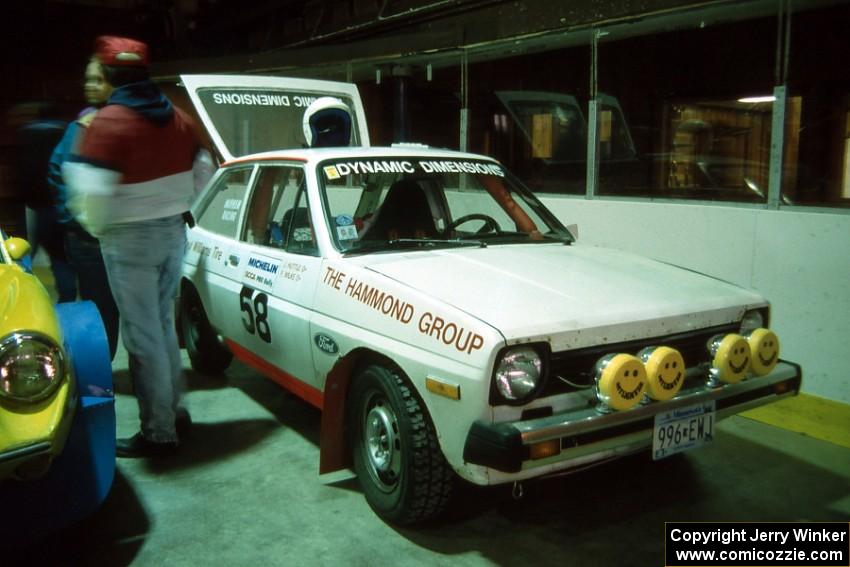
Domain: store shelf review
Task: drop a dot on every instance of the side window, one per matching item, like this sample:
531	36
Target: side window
274	184
219	211
291	227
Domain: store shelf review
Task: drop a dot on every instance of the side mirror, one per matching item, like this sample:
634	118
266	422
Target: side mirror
17	247
573	230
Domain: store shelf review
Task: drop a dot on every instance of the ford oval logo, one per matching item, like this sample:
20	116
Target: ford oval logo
325	343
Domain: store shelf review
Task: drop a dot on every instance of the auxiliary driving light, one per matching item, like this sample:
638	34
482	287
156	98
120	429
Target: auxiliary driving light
665	371
764	351
731	360
620	381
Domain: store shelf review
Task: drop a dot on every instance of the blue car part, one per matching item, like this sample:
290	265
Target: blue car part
80	478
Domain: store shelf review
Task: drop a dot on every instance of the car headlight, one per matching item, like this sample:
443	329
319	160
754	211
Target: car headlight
519	374
753	319
31	367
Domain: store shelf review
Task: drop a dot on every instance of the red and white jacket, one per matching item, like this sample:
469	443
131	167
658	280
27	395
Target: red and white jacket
130	168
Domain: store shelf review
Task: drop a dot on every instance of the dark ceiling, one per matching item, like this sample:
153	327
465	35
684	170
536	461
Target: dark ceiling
46	42
179	29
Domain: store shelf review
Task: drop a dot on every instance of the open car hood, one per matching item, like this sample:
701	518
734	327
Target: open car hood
249	114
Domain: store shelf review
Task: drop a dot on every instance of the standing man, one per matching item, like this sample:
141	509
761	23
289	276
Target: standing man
81	248
137	171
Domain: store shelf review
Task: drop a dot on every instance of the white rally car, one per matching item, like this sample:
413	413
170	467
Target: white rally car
443	320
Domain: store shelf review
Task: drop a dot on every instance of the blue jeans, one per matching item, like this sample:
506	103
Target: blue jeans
83	251
143	261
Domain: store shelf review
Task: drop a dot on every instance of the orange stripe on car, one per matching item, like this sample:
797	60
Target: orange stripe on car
306	392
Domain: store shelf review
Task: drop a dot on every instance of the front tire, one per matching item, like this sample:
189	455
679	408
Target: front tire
397	458
206	354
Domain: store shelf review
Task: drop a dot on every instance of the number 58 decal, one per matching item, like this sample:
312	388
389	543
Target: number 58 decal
256	317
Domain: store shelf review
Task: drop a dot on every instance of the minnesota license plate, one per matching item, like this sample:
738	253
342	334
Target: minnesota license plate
682	429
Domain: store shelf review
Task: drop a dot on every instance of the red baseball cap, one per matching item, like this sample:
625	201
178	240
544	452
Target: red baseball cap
120	51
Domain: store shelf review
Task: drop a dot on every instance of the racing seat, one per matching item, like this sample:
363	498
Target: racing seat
294	231
405	213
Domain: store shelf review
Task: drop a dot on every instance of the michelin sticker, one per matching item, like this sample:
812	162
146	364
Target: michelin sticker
444	166
261	272
345	229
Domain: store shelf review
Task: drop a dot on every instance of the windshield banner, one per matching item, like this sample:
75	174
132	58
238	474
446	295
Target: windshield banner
403	166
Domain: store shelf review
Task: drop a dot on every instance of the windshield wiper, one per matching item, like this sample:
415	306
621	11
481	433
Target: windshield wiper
521	236
412	242
566	240
458	241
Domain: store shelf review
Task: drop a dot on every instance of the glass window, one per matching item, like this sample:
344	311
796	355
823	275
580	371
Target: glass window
290	226
275	184
381	204
718	150
412	104
529	112
817	111
220	209
685	101
553	125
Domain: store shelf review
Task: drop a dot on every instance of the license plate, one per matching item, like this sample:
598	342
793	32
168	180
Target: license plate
682	429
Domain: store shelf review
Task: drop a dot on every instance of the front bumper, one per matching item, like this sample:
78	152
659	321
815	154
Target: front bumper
587	435
31	437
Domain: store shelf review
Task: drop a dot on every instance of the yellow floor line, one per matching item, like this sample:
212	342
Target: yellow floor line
810	415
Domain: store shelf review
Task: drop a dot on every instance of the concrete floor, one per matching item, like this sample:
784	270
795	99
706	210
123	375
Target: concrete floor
245	491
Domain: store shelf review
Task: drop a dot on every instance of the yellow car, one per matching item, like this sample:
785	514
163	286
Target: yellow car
57	416
36	391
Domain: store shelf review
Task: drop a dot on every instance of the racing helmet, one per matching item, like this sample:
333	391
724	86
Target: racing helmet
327	123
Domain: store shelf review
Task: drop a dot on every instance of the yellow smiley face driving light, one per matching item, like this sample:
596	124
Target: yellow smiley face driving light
665	371
620	381
731	358
764	351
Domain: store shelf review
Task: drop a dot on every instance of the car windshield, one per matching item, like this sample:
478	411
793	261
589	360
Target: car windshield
377	204
555	131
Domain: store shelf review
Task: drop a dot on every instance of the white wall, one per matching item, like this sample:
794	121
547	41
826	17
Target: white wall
800	261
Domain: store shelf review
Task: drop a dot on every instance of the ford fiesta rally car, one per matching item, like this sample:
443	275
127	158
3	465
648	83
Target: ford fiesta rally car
443	320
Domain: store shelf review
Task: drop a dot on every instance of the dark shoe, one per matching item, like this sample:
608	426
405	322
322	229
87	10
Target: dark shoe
137	446
183	423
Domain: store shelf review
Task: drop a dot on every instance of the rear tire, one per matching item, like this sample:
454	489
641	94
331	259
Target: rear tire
398	461
207	355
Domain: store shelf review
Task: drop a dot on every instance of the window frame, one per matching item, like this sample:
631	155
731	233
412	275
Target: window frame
202	206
